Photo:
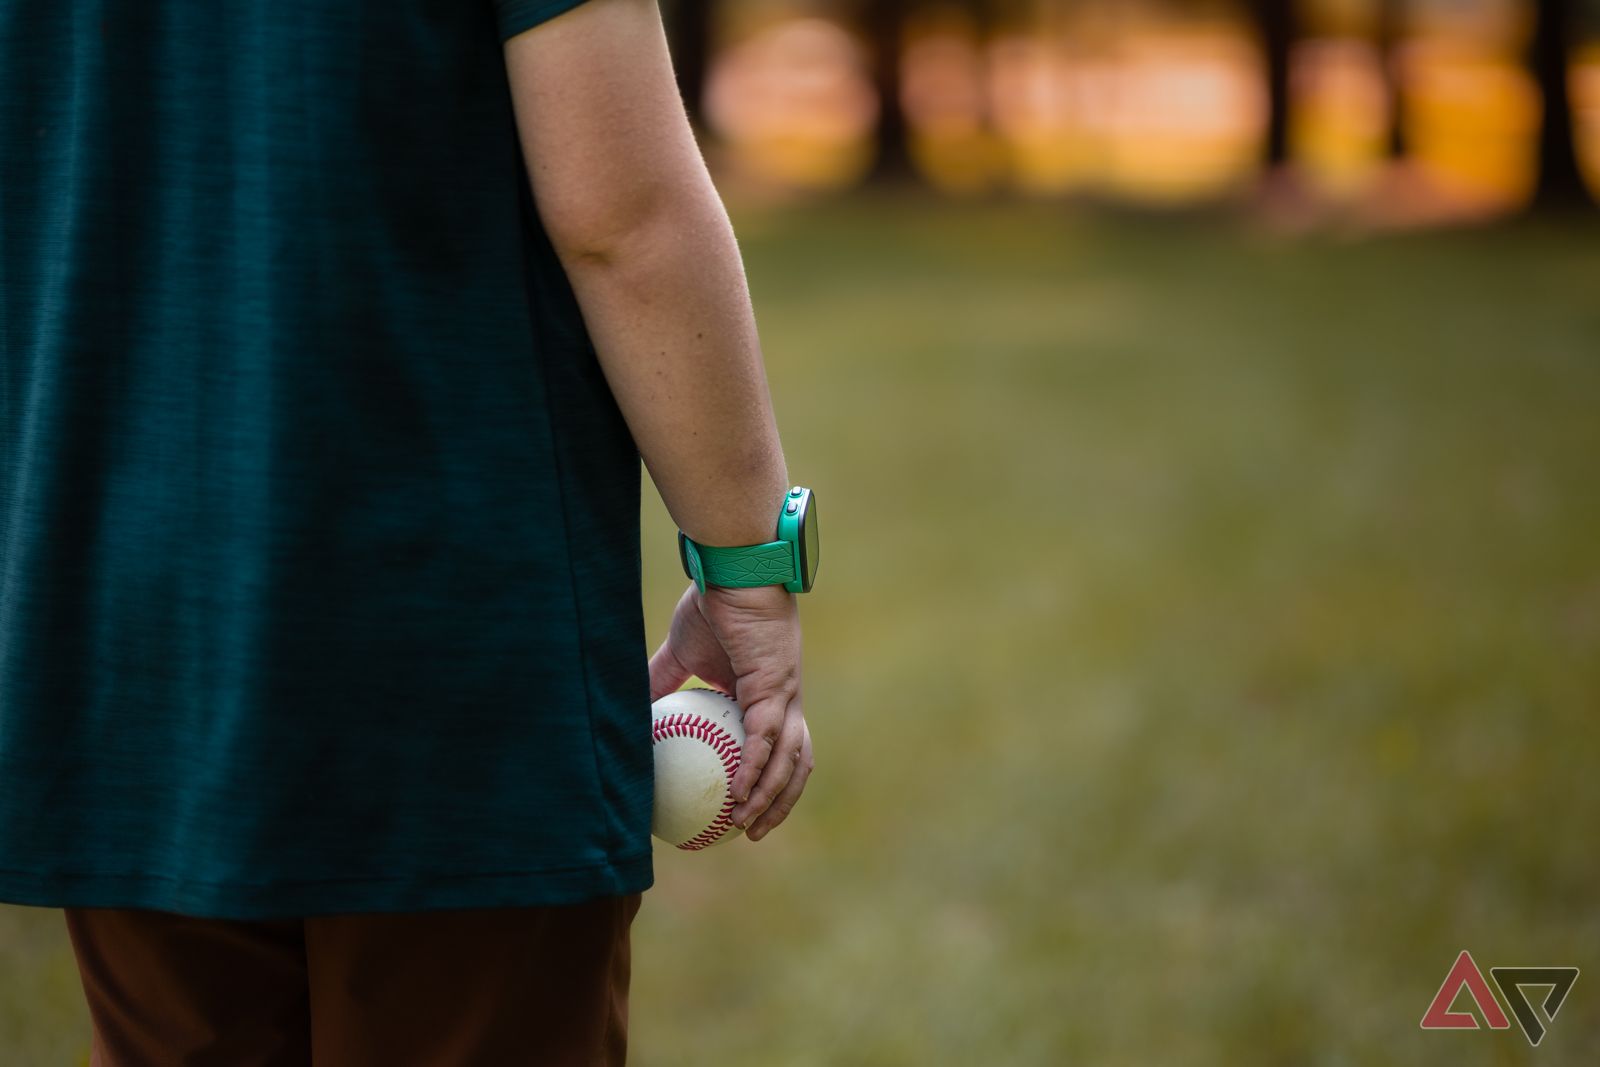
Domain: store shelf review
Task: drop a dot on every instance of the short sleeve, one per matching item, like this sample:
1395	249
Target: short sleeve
515	16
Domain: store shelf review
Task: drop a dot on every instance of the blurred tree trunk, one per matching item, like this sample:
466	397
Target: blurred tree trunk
691	25
1391	42
1560	186
1275	25
884	22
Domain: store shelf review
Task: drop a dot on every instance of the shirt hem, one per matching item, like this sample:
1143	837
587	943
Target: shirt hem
246	901
518	16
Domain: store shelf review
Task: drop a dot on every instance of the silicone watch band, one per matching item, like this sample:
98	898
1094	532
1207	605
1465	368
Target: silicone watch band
746	565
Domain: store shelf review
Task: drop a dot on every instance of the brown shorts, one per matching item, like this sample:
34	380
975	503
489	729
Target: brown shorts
492	986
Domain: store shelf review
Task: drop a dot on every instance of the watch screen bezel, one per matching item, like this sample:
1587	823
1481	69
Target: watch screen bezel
806	543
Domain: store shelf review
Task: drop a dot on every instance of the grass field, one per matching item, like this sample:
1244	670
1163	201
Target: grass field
1206	649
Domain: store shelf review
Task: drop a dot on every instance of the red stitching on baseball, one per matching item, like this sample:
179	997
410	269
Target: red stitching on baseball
724	744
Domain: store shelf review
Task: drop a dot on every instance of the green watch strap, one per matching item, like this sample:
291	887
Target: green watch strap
740	566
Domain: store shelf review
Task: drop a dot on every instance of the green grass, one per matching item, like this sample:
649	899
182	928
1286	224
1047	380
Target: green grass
1204	653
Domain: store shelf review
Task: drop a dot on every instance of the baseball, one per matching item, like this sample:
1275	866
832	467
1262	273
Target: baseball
698	737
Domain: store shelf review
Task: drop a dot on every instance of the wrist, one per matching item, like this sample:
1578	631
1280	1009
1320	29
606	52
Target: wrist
788	558
751	596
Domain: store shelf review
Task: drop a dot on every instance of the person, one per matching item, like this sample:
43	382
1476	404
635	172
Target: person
334	336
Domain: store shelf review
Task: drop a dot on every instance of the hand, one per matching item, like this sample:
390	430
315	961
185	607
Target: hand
746	642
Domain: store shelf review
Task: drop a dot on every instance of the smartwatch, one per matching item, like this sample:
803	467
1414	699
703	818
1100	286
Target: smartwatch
790	561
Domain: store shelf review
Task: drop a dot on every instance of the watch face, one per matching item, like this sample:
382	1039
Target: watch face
808	542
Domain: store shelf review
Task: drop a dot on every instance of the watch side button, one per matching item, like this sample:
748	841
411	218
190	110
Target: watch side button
796	491
790	508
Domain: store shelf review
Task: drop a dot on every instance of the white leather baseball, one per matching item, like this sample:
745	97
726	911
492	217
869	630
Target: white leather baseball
698	737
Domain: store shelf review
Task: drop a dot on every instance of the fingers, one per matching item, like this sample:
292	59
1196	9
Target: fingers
775	732
786	800
667	672
763	725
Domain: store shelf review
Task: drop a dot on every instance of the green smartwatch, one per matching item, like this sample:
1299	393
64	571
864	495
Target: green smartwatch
790	561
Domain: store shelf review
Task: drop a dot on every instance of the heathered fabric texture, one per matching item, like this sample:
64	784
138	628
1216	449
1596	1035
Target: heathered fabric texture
319	549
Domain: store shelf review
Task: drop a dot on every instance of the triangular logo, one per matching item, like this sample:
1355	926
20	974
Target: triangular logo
1512	979
1465	973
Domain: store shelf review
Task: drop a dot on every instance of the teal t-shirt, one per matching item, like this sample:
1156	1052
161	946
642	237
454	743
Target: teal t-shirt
319	543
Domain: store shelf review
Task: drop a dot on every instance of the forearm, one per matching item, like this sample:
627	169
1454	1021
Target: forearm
627	202
668	310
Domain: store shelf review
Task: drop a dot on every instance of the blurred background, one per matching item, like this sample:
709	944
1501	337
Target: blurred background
1395	111
1203	406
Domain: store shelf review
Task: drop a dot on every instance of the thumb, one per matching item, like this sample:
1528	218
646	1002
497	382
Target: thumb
667	673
